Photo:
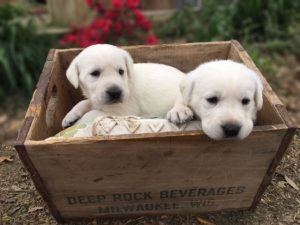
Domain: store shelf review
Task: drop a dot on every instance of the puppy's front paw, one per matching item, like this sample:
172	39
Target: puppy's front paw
69	120
180	114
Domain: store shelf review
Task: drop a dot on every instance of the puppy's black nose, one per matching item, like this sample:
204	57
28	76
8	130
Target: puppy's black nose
231	130
114	93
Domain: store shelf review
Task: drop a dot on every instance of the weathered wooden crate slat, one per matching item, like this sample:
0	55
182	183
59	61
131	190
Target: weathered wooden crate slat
175	172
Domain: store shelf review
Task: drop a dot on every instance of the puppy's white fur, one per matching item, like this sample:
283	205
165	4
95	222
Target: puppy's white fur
230	83
147	89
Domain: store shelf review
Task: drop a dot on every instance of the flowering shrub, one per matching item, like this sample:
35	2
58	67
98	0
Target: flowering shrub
122	23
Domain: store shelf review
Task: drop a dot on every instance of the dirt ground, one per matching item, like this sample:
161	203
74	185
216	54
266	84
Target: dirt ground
20	203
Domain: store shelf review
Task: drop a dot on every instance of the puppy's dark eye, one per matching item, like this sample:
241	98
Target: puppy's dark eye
245	101
95	73
212	100
121	71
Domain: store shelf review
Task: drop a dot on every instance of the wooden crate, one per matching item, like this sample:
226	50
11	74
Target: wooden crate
164	173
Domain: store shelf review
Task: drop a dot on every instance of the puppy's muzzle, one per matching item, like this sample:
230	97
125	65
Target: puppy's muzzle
231	129
114	94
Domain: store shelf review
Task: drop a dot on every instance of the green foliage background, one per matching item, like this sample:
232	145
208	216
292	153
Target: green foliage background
251	20
22	52
264	27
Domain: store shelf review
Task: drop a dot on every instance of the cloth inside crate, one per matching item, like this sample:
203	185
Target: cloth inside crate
117	125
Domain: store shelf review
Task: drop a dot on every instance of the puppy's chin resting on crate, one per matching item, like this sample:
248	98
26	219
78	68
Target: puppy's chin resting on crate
130	125
84	178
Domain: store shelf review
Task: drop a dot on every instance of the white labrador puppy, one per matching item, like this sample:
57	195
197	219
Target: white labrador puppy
113	85
224	94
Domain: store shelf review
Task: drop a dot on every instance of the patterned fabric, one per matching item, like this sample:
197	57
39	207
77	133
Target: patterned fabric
116	125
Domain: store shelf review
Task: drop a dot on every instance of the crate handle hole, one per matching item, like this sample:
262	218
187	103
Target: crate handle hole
50	111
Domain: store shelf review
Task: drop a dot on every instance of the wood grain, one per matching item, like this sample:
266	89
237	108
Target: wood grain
33	111
153	165
286	141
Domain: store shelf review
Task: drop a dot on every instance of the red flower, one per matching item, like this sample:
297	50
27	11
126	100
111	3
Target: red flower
118	27
100	8
141	20
90	3
102	24
107	26
133	3
117	4
67	39
124	21
98	23
96	5
110	14
83	40
138	15
145	24
151	39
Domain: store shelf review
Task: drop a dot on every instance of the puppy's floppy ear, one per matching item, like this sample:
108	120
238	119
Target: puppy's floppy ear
186	86
73	73
128	62
258	91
